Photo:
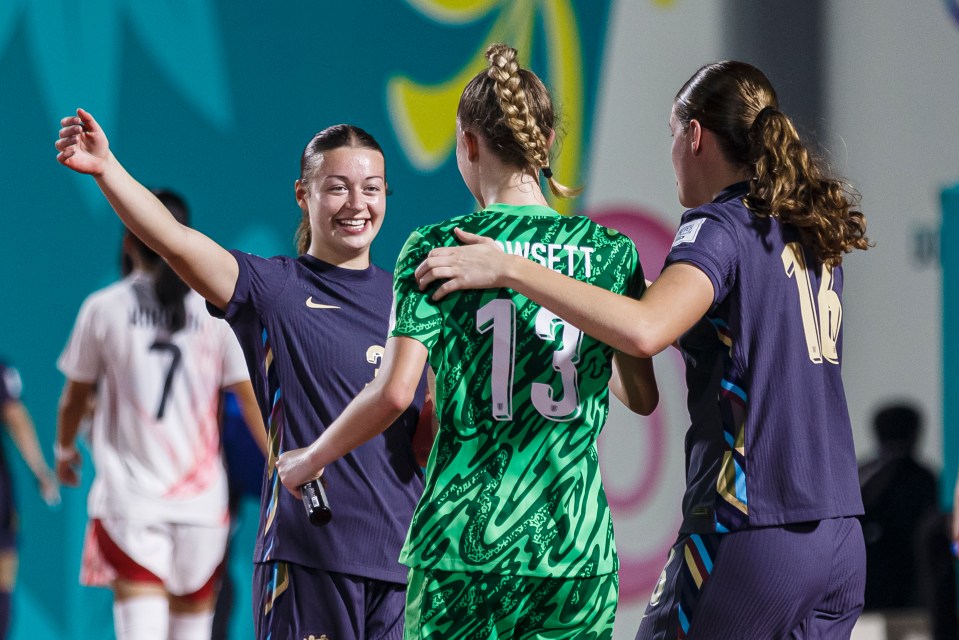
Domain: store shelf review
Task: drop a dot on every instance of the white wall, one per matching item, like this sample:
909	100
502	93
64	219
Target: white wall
631	174
893	98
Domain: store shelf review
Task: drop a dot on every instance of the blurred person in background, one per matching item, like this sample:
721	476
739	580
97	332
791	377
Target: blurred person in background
16	417
157	363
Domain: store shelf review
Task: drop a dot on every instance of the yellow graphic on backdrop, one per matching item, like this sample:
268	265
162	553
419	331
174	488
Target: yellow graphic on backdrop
424	115
454	11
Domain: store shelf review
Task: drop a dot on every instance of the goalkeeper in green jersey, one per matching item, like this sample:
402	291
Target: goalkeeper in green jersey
513	536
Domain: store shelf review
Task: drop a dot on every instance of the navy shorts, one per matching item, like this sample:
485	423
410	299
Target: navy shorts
795	581
8	512
294	601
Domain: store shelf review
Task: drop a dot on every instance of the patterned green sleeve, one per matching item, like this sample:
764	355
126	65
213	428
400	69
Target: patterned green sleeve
415	315
637	281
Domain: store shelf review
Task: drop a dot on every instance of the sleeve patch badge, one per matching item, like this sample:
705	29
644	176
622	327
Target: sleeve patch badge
688	232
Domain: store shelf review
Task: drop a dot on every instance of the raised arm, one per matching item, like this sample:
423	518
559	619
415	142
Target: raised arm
203	264
670	306
374	409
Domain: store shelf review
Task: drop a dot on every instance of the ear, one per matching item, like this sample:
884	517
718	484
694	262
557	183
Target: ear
472	145
694	133
300	189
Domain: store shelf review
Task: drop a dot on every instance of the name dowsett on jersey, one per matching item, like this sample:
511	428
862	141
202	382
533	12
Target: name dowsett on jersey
557	257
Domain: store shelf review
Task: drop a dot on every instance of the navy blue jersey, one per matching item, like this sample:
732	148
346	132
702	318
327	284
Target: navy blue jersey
770	440
313	336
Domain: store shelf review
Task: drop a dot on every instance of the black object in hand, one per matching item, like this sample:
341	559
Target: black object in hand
314	501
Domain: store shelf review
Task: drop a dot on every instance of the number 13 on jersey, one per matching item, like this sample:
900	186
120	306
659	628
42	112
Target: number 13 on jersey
499	316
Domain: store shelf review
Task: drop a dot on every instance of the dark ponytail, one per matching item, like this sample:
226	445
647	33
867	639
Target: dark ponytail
169	288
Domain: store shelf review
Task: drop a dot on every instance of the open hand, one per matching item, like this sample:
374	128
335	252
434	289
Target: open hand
82	145
478	264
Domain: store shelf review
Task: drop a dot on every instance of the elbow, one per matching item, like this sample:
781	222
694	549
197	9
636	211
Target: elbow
395	398
645	340
644	345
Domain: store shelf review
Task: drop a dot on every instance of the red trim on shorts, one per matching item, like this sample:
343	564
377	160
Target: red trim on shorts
127	569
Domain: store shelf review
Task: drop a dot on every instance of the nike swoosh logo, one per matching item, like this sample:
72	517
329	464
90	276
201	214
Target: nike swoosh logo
317	305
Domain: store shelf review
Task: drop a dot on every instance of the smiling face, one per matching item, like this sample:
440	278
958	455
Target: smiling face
345	200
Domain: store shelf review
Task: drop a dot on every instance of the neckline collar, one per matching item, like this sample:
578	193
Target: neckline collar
323	268
733	191
521	209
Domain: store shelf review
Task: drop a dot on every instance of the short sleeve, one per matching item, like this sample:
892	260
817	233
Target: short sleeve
636	283
80	360
708	241
258	282
415	314
10	385
234	365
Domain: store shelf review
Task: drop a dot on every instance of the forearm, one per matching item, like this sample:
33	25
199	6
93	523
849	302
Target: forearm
365	418
252	417
24	436
204	265
69	417
634	383
374	409
620	325
140	210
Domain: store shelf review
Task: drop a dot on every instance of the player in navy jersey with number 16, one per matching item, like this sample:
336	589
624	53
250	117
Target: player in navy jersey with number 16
513	537
752	289
312	330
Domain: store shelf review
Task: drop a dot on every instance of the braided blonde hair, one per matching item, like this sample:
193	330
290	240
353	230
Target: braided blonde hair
513	110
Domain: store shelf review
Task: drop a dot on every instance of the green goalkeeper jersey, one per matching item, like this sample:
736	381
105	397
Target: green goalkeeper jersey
513	483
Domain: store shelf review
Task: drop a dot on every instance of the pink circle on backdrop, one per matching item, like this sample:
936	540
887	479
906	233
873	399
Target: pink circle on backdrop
653	238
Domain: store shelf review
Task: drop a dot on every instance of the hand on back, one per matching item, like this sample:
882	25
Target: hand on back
478	264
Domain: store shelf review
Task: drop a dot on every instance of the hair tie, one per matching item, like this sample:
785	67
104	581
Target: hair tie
765	112
547	173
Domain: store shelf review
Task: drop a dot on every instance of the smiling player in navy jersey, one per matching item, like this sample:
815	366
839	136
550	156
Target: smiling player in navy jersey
513	537
312	330
752	290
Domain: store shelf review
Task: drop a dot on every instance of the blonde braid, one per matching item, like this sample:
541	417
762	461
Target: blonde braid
504	70
508	85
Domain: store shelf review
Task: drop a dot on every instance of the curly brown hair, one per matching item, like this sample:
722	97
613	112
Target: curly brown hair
513	110
738	104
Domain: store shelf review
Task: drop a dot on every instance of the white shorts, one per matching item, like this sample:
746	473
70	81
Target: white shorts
183	557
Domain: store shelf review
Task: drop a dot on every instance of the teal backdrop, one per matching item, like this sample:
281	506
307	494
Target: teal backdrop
217	100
